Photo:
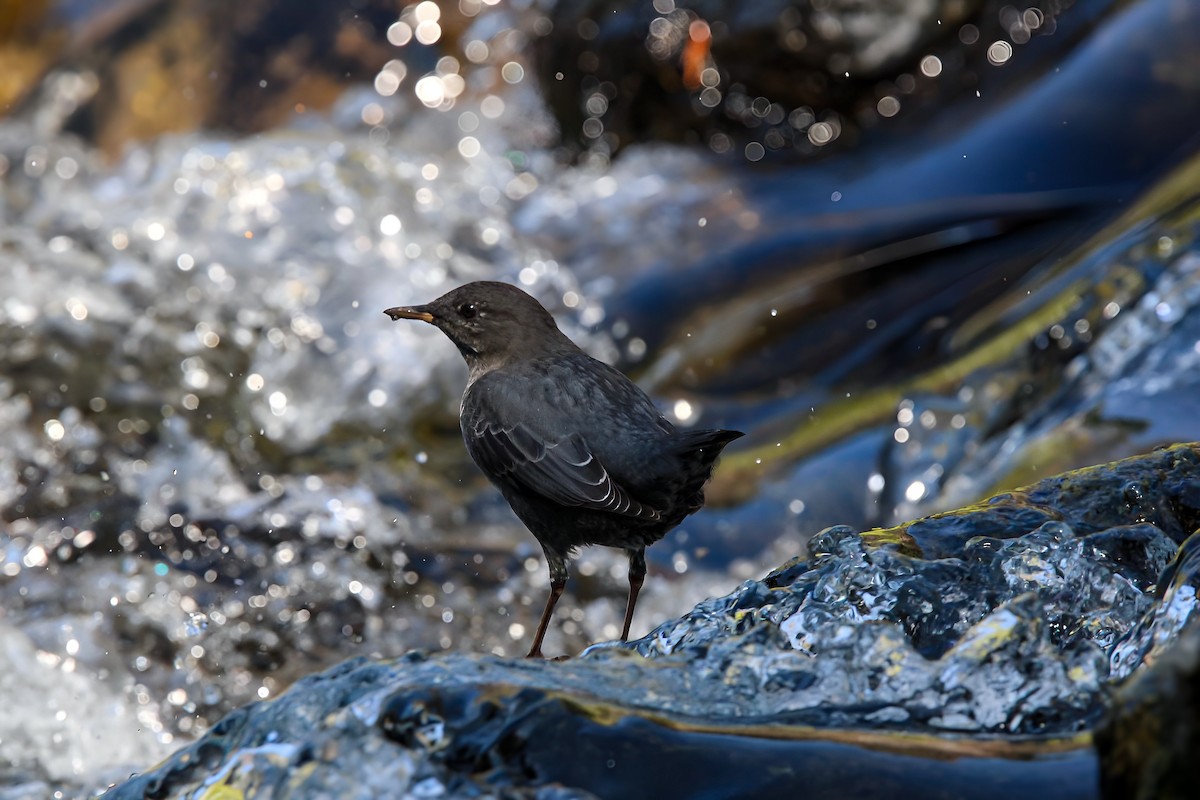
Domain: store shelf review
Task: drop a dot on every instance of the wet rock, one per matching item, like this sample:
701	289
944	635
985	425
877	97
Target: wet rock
470	727
1149	740
866	648
1093	374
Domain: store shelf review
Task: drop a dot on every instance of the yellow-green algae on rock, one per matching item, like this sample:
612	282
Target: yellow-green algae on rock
1089	499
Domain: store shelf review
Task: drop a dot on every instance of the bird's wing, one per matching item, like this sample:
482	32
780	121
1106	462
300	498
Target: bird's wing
565	471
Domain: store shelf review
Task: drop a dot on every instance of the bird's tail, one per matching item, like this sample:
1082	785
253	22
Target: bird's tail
707	444
699	450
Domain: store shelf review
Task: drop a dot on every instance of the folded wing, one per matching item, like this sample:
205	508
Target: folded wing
565	471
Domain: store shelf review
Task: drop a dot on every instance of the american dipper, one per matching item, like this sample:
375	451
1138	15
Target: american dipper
579	452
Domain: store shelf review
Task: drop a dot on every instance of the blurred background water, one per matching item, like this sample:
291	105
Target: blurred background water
921	253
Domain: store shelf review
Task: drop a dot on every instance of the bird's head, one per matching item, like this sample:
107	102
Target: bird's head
489	322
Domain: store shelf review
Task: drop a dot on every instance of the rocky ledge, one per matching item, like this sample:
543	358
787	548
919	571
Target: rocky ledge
1029	643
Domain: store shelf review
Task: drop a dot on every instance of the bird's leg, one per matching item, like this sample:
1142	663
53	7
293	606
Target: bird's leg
558	582
637	575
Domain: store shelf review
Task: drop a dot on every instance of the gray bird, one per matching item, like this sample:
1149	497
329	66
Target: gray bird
580	453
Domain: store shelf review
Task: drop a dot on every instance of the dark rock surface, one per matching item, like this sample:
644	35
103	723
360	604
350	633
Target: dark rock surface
1149	741
978	667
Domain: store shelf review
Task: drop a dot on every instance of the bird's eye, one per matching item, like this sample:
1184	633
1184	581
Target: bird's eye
467	310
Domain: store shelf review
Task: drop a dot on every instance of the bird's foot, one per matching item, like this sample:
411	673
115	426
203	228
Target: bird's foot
538	654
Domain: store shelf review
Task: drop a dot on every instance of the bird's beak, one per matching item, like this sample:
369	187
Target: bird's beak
412	312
